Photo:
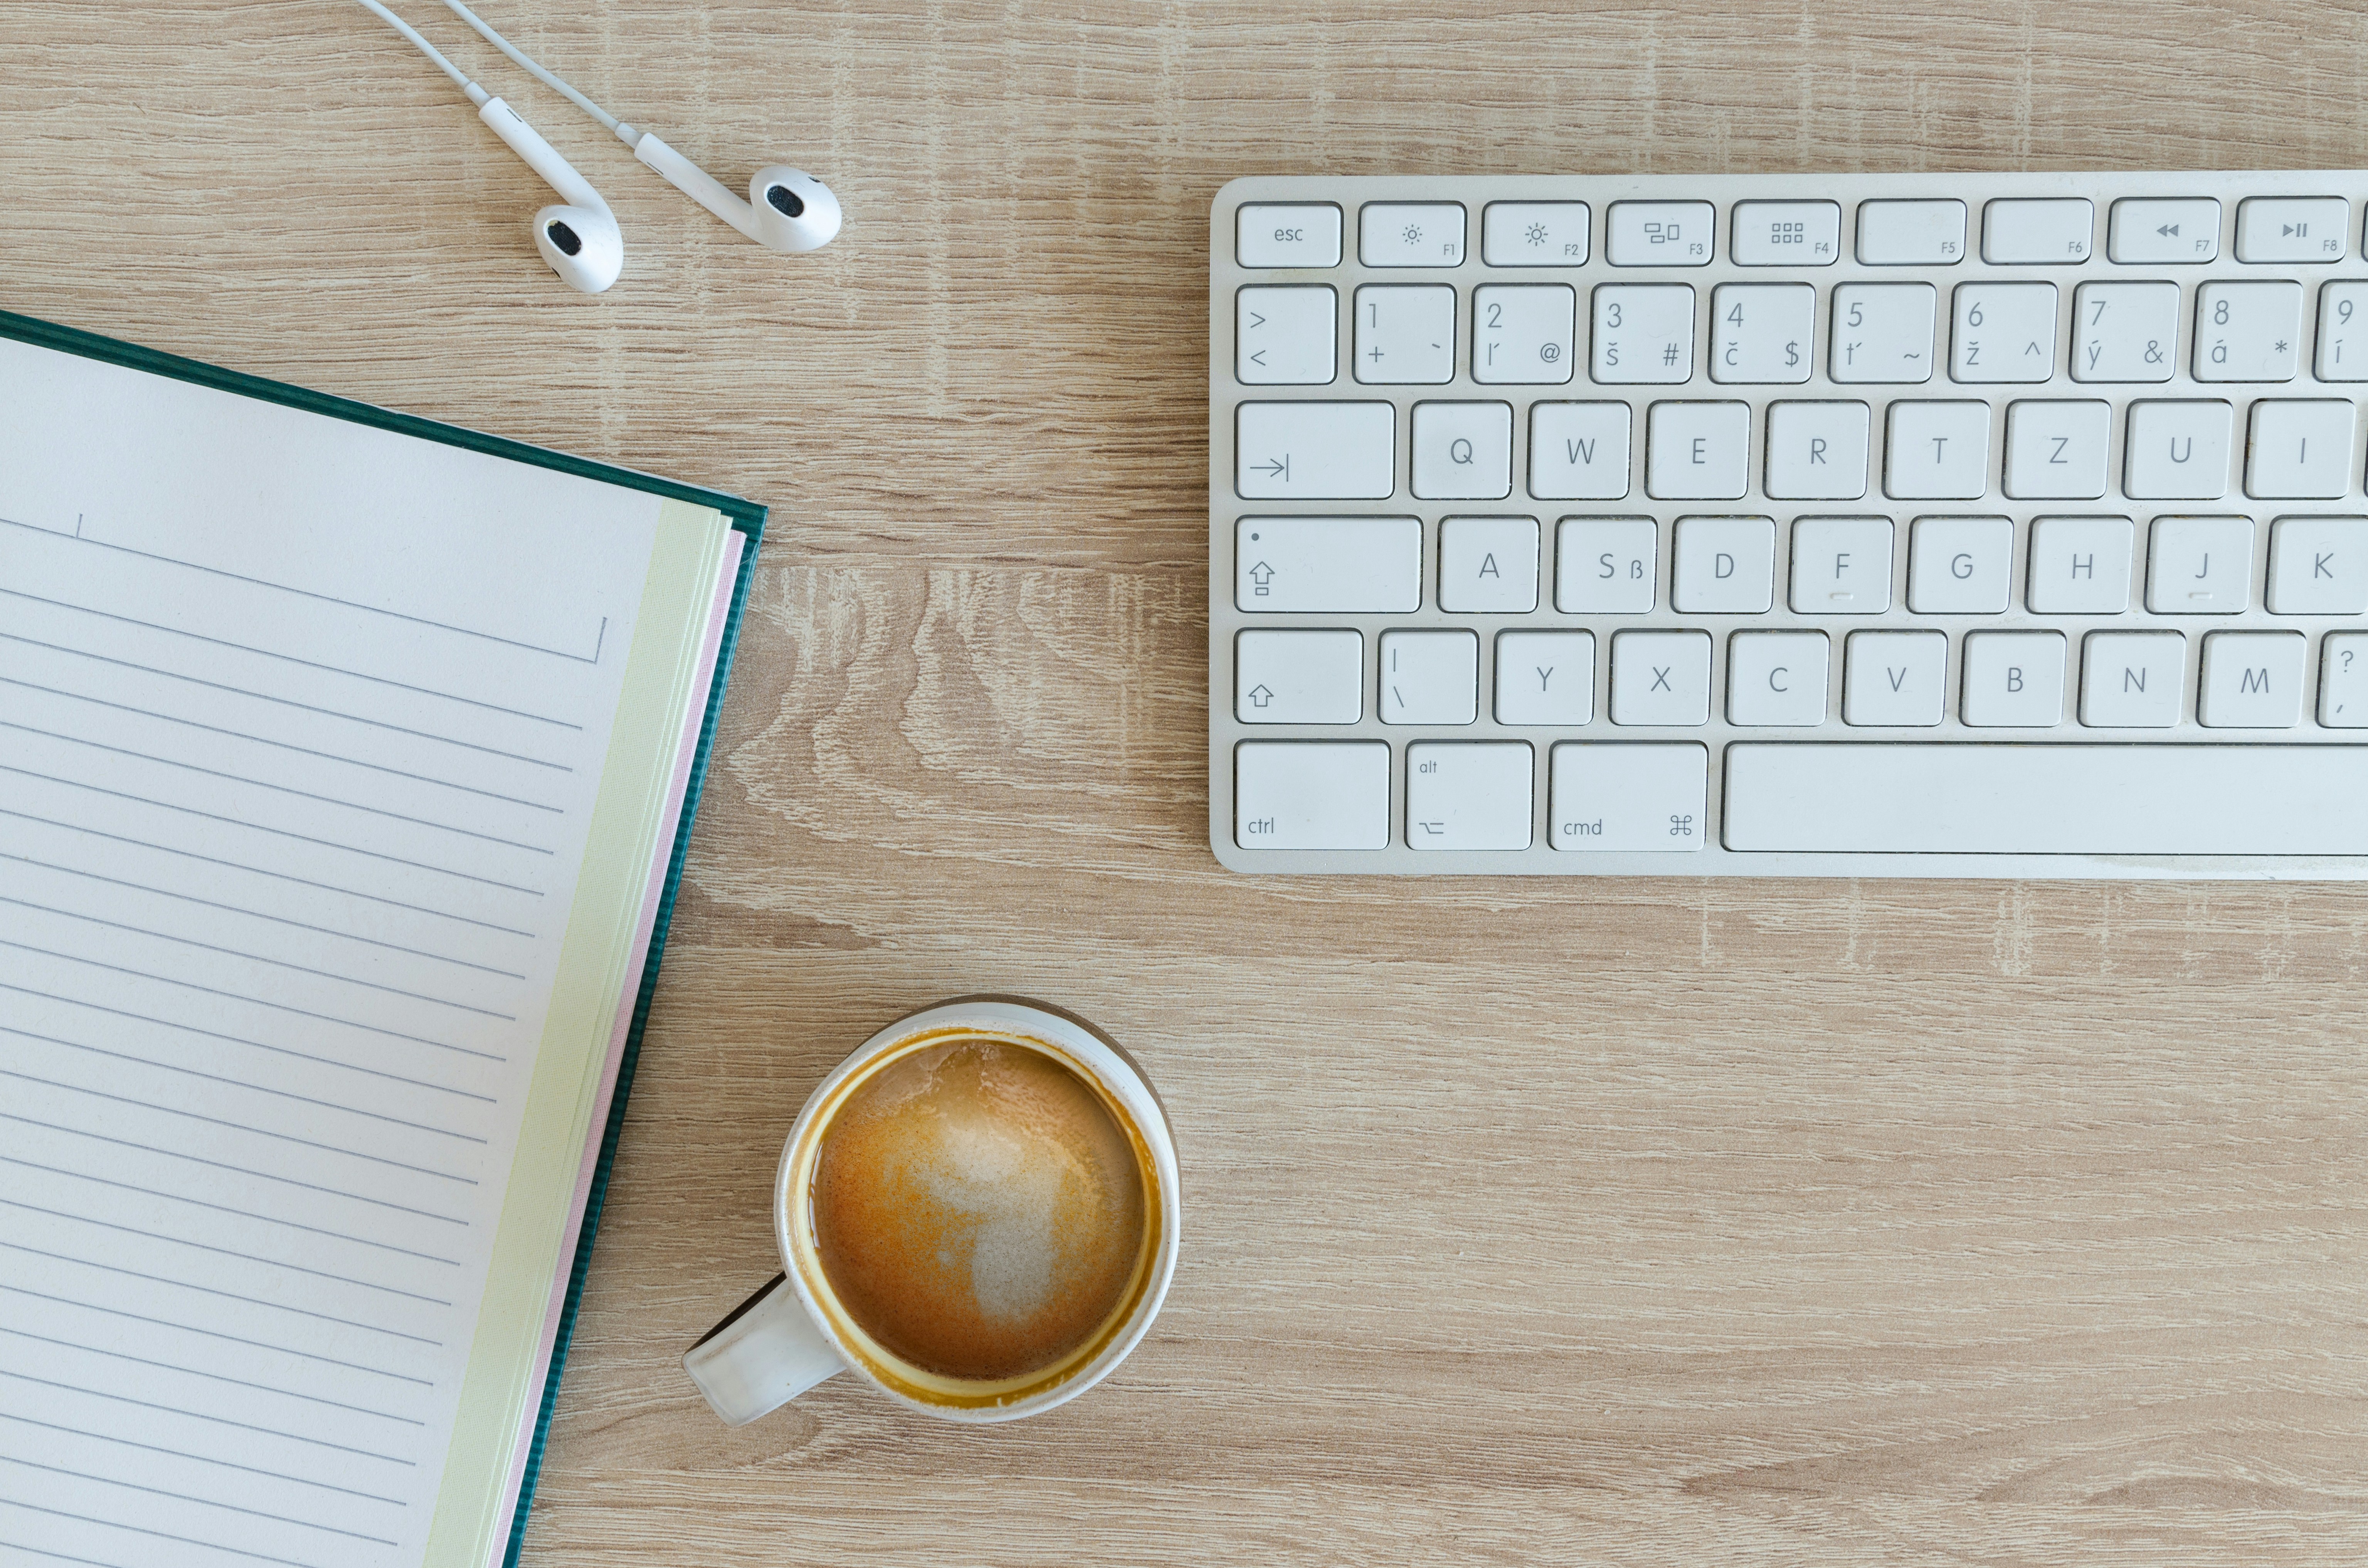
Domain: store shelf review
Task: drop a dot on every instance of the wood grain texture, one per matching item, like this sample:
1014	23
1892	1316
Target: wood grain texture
1806	1223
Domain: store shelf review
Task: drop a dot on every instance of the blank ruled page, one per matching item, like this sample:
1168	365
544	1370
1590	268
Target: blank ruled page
301	726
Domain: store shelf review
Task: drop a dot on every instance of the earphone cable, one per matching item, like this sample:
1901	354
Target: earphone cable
407	30
624	132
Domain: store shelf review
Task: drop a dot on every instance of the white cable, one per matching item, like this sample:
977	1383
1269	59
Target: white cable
476	94
625	134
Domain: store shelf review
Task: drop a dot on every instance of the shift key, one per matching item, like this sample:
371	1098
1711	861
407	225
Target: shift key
1315	451
1329	565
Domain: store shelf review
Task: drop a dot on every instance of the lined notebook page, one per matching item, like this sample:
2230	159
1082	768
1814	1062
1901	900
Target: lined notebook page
300	726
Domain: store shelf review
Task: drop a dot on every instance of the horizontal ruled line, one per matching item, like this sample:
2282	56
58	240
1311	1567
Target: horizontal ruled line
290	658
160	1535
204	1502
59	1556
211	1334
214	1377
226	1295
202	1416
200	1459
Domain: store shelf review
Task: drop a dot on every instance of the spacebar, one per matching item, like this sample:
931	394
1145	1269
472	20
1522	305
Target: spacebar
2047	800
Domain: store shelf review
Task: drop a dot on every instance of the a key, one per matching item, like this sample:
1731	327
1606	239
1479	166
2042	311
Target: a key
1610	796
1315	451
1723	565
1533	234
1659	233
2200	565
1468	795
1911	234
2003	331
1760	332
2343	333
1894	678
2056	449
2251	680
1405	335
2319	566
1329	565
2293	228
1299	678
1606	565
1937	451
1285	336
1882	331
1816	451
1644	333
1776	677
2013	679
2124	331
1959	565
2178	451
2301	448
1696	451
1522	333
1462	451
2079	565
2133	680
1429	677
1488	565
1312	794
1841	566
2248	331
1546	678
2153	230
1578	452
2045	232
1660	677
1288	235
1785	233
1410	233
2343	681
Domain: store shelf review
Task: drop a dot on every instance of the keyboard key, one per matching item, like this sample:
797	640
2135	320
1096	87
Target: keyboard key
1894	678
1546	678
2319	566
2047	800
1462	451
2050	232
1468	795
1285	336
1723	566
1960	565
2003	331
1429	677
1488	565
1605	565
2013	680
1578	452
2177	451
1533	234
1786	233
1911	234
2056	450
1410	233
1405	334
2293	228
2133	680
2252	680
1697	450
1608	797
1776	677
1299	678
1312	794
1523	332
1659	233
1315	451
2079	565
1841	566
2299	449
1644	333
1329	565
1660	677
1816	451
1760	332
1937	451
2153	230
2343	333
2248	331
2200	566
2343	681
1883	332
1288	235
2124	331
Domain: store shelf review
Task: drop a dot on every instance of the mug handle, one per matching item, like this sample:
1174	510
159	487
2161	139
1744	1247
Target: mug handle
766	1352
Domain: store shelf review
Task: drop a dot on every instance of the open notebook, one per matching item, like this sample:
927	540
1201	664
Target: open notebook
346	766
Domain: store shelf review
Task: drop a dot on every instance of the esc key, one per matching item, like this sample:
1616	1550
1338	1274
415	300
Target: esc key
1289	235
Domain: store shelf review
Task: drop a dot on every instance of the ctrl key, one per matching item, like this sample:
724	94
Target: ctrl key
1312	794
1615	796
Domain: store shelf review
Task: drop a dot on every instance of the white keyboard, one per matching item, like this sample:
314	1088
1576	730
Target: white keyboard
1855	525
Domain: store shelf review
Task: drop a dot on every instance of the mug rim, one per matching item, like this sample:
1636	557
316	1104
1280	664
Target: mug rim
1117	1074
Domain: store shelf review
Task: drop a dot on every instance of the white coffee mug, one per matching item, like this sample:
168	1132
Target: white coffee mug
793	1332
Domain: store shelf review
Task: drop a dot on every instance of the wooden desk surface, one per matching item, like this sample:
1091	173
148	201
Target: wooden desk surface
1629	1222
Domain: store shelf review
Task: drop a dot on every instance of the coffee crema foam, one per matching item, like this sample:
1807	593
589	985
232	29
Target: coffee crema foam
978	1209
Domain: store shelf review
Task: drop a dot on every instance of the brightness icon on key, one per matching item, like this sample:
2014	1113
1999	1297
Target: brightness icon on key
1537	234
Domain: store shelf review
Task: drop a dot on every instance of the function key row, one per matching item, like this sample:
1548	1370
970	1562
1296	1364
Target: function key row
2015	232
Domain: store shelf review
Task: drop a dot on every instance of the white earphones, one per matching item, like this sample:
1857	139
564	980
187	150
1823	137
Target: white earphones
577	236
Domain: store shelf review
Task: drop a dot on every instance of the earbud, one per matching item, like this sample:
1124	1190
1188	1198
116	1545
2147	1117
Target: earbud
579	236
787	208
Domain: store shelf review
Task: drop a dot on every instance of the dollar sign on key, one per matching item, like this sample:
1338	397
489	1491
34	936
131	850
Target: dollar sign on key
1791	353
